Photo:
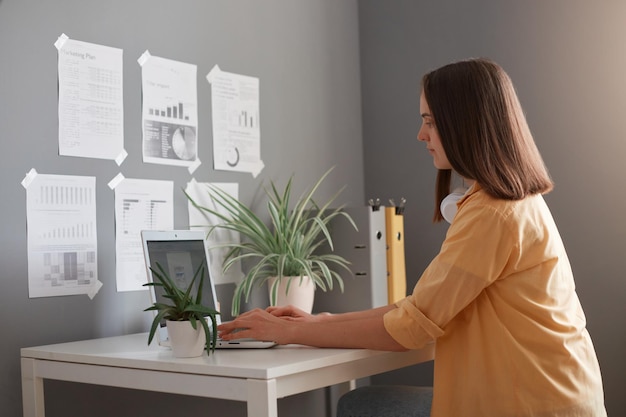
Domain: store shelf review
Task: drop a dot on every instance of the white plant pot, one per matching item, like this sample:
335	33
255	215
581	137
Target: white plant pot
301	292
186	341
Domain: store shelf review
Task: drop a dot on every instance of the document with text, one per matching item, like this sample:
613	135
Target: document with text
139	205
91	106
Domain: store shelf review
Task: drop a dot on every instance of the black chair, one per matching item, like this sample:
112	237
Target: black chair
386	401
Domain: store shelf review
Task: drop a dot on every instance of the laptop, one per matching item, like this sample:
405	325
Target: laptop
180	253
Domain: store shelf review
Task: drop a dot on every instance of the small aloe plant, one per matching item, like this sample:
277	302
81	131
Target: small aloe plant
183	305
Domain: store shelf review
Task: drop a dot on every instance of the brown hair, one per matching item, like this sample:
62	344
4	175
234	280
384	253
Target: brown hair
483	131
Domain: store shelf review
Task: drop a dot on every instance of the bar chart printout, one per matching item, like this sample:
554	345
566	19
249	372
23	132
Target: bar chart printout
236	124
62	235
170	112
175	112
139	205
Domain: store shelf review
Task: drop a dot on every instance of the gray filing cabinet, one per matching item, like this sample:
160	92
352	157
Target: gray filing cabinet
366	250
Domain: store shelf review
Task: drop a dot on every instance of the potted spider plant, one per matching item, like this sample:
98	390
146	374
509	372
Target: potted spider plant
184	314
289	253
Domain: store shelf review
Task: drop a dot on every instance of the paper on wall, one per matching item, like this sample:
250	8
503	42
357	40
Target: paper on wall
202	220
139	205
236	122
169	112
91	106
62	235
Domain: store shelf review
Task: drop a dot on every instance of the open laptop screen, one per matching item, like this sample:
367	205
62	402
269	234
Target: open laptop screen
181	259
180	254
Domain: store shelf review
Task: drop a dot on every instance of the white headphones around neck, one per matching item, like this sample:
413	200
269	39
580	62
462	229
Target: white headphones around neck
448	206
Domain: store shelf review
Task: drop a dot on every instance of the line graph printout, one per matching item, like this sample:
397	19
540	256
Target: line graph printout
62	236
139	205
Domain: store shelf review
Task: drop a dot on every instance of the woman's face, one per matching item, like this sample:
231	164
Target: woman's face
428	133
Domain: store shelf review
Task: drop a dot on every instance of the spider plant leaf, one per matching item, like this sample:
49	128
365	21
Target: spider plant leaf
288	245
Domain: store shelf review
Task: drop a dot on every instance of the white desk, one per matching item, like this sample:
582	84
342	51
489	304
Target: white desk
258	376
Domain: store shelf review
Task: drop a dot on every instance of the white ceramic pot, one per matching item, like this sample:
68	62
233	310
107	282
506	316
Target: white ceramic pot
186	341
301	292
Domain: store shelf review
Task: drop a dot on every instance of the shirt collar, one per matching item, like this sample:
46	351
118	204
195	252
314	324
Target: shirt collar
474	188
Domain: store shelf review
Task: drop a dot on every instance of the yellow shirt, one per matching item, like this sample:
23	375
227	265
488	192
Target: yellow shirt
500	301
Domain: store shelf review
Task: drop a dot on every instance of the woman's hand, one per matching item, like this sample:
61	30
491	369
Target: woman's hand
257	324
285	325
294	314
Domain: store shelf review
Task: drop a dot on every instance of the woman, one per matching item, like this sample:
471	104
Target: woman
499	298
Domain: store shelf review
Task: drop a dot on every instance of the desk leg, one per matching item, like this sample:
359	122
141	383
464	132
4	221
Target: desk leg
336	391
32	390
262	401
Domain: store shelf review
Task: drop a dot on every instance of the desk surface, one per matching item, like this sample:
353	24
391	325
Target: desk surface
127	361
132	351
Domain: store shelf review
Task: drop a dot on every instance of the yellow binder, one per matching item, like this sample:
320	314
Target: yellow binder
396	268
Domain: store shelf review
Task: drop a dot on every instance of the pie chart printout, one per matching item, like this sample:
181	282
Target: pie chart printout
184	143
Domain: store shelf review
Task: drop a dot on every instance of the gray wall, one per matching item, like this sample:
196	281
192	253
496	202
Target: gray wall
565	56
568	62
306	55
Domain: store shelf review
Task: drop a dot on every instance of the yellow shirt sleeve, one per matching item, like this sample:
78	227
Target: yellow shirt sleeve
474	255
